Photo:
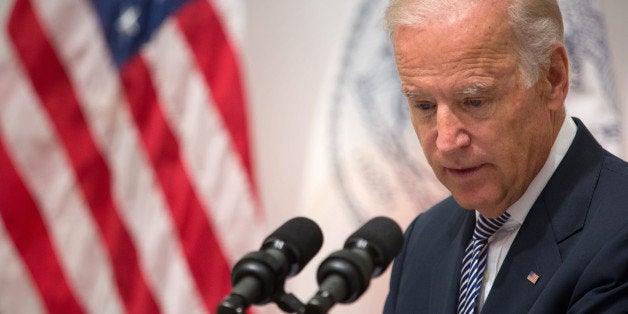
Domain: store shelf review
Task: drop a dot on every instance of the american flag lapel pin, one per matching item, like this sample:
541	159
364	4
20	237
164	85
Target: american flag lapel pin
533	277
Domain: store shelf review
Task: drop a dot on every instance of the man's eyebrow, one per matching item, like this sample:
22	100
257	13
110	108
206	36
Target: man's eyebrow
476	88
414	94
473	89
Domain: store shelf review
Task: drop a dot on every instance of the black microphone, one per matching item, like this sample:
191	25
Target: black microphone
260	276
346	274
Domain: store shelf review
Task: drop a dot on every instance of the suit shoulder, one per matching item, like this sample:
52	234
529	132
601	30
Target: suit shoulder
441	214
442	210
615	164
609	204
611	187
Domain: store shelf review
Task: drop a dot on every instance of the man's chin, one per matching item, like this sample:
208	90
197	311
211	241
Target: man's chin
472	202
487	209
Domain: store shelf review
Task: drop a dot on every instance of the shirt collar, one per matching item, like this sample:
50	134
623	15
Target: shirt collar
519	210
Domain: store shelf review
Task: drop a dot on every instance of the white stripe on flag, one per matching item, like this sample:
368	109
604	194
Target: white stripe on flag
233	18
17	291
207	150
143	206
54	188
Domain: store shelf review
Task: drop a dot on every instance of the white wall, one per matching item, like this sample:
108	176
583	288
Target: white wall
287	48
615	11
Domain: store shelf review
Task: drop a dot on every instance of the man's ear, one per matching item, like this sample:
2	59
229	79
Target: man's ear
557	76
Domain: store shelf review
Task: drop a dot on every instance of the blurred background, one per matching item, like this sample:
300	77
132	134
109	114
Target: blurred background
146	146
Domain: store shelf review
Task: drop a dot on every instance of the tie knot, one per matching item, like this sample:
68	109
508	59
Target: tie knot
486	227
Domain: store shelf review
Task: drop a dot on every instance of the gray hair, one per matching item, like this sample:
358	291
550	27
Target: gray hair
537	24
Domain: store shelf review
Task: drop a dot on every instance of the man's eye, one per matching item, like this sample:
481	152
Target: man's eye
479	108
424	105
473	102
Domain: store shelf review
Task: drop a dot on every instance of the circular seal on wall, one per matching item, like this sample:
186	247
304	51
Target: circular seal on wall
592	92
376	157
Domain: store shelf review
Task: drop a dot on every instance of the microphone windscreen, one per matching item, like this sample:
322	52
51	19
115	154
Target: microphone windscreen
382	233
302	235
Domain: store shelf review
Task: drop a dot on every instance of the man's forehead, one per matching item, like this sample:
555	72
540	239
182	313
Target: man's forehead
464	18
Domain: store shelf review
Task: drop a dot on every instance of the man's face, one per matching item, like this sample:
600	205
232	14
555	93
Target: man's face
484	133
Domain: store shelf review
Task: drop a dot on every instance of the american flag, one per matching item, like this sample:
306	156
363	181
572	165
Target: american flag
533	277
126	179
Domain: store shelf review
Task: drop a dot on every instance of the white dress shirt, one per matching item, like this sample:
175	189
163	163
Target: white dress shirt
500	242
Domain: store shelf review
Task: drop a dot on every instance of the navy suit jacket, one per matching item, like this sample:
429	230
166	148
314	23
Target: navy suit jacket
575	238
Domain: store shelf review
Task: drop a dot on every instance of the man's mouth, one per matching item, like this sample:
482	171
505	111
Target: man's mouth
464	172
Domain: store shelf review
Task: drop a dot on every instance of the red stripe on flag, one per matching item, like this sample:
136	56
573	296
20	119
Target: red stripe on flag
53	87
217	61
28	231
204	255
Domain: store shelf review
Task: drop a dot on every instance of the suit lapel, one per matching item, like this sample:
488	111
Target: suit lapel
552	225
445	274
534	250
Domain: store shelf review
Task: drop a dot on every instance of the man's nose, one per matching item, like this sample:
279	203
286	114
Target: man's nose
451	134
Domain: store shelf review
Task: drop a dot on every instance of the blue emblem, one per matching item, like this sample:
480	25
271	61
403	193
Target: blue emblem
593	97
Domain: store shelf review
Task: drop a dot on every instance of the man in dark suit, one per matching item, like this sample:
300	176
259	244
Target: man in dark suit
538	217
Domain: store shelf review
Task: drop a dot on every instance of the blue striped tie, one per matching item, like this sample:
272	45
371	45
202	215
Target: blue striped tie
474	261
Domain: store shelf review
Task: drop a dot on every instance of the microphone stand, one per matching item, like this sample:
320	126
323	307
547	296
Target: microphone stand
287	302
